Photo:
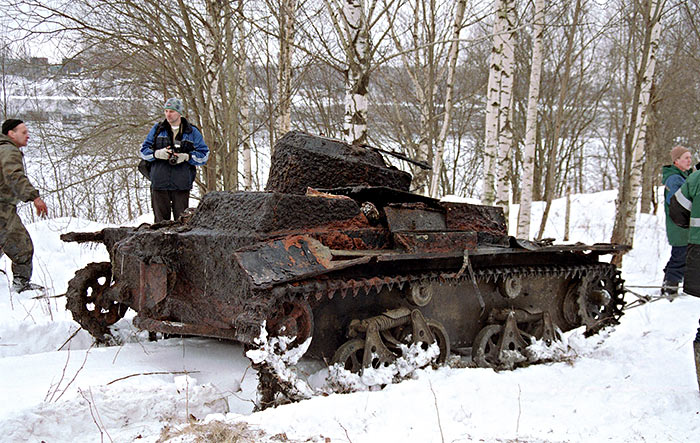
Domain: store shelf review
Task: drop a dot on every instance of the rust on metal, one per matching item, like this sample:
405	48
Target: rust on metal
405	217
469	217
289	259
436	241
153	284
179	328
83	237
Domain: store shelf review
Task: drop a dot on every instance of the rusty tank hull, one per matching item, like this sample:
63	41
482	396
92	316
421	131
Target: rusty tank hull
344	254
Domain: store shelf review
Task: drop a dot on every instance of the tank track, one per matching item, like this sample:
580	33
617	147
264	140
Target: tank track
329	288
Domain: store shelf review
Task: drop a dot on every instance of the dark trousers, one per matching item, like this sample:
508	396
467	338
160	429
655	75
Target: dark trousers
15	242
166	202
675	268
691	285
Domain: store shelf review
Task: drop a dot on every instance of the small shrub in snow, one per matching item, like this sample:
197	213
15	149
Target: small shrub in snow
276	354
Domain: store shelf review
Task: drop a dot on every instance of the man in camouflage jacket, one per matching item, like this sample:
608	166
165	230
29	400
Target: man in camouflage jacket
15	187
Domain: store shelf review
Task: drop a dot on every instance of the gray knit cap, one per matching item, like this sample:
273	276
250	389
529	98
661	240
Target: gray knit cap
175	104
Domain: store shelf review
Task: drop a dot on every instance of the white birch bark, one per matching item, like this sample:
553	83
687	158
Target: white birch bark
641	123
357	35
452	67
492	109
505	112
531	124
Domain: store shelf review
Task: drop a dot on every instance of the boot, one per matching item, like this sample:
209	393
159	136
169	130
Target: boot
20	284
669	289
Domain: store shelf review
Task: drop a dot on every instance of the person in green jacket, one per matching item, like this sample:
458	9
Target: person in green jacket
674	176
15	187
684	210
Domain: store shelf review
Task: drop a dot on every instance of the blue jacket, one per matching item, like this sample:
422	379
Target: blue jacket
163	175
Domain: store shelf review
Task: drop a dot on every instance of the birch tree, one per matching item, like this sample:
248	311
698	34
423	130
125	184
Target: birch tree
493	95
350	21
531	123
635	139
505	111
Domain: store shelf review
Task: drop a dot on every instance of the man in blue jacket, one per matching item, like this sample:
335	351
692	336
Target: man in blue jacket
173	148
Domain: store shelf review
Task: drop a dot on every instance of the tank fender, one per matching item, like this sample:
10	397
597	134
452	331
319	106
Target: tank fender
288	259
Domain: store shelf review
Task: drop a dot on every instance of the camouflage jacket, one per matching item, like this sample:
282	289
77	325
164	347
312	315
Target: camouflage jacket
14	184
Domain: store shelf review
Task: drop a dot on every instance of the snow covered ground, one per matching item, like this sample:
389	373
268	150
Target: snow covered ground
635	382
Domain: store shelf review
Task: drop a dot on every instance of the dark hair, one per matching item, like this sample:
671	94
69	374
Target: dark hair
10	124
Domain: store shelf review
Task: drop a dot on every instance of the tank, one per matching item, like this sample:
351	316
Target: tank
337	249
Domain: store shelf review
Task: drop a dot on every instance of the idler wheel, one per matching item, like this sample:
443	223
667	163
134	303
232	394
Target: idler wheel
350	354
596	306
86	299
570	307
293	319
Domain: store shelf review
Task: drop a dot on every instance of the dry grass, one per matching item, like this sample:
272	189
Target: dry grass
218	432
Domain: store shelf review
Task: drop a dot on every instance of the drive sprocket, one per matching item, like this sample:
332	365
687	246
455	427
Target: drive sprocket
87	301
600	301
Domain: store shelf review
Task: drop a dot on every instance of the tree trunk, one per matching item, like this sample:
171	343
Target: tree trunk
493	95
649	173
505	112
628	195
244	123
531	123
567	216
287	22
357	74
564	86
447	117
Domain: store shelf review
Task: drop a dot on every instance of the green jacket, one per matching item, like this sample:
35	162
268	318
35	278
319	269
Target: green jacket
673	179
14	184
685	207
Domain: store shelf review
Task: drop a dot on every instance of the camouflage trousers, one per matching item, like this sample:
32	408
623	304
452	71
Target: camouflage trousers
15	242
